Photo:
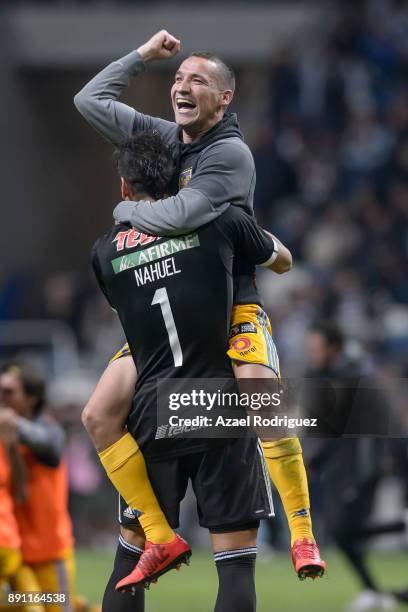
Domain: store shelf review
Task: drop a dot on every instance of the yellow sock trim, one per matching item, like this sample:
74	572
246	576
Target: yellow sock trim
281	448
113	457
287	471
125	466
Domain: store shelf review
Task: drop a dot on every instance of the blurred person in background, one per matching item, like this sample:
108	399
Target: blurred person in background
351	468
42	518
339	116
12	489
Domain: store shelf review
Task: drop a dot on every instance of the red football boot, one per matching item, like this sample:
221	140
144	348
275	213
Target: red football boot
306	560
156	560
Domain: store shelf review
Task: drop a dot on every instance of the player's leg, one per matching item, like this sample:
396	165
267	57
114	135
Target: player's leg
104	418
348	517
129	550
284	456
170	484
235	557
254	356
233	493
25	580
10	561
285	466
58	576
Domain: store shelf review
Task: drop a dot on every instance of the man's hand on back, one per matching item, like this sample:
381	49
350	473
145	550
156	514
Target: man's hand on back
160	46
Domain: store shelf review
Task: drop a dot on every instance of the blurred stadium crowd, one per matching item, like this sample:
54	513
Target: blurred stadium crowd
332	184
332	181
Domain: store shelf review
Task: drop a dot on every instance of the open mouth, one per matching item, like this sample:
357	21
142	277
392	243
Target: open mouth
184	105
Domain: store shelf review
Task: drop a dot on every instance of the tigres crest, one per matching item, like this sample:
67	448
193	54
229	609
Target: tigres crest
185	177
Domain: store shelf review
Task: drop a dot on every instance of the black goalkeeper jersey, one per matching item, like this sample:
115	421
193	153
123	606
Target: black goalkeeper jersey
174	298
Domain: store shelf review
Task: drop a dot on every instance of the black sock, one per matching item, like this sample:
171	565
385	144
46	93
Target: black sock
125	560
236	580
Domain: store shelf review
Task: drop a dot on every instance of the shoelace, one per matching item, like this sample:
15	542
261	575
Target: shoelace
151	559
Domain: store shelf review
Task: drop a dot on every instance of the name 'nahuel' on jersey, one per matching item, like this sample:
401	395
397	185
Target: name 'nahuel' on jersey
174	297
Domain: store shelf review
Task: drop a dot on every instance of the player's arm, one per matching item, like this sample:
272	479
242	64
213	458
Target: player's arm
252	243
281	259
225	174
10	438
98	100
18	473
44	438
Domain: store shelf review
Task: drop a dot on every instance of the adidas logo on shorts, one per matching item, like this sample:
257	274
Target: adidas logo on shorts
129	513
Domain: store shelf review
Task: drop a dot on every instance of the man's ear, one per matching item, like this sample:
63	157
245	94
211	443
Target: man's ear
226	97
124	189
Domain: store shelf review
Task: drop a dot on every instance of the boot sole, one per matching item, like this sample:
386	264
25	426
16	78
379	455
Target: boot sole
311	571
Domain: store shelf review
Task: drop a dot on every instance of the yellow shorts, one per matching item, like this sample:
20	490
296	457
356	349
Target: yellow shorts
250	338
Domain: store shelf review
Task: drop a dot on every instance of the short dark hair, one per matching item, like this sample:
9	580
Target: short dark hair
226	75
147	164
330	332
31	380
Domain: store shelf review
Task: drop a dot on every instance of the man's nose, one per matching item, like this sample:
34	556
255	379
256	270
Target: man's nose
184	86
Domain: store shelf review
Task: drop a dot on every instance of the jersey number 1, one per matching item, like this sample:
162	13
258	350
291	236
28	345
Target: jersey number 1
160	297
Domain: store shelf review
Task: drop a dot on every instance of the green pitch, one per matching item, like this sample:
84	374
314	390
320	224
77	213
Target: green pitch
193	588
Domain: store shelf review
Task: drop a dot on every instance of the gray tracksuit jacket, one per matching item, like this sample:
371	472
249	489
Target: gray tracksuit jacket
214	172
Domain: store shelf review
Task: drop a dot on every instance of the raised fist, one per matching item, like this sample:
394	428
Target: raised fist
160	46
